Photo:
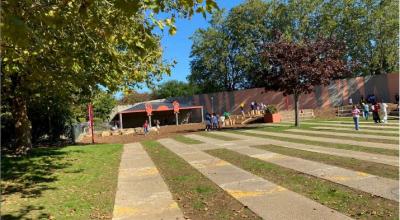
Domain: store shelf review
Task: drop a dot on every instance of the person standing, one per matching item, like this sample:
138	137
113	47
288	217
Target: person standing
208	122
356	116
350	101
384	107
242	109
365	110
214	120
375	113
146	127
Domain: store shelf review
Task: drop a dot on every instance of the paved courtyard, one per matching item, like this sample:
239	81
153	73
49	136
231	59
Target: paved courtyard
142	193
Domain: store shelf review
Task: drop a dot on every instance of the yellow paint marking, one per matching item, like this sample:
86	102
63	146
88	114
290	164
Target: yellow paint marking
221	163
123	211
240	194
146	171
362	174
173	205
337	178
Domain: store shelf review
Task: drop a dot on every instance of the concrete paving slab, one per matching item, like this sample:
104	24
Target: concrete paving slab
327	140
141	191
341	134
373	126
371	184
266	199
376	132
251	140
362	122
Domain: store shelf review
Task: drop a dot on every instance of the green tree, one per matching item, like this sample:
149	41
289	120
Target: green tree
103	103
132	97
174	88
225	56
71	47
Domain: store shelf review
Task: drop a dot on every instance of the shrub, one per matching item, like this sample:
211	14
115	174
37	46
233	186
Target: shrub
271	109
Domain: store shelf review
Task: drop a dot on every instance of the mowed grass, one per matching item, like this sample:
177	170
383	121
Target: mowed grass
197	196
75	182
390	152
186	140
216	136
338	136
351	202
377	169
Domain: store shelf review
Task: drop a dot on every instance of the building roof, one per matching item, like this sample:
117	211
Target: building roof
158	105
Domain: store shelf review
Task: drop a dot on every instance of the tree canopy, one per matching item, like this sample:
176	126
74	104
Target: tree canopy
296	67
66	49
226	54
173	88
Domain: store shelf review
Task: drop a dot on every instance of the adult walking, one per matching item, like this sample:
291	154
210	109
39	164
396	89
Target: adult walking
356	117
365	110
375	113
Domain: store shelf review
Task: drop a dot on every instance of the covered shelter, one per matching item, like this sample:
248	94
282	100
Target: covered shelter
162	110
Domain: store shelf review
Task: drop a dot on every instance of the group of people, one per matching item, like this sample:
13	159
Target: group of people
376	108
214	121
254	107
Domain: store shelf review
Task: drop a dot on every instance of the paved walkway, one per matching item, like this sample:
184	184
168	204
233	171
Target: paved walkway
363	130
384	187
322	139
251	141
378	126
266	199
362	121
341	134
142	193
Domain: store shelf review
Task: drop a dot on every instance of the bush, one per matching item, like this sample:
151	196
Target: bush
271	109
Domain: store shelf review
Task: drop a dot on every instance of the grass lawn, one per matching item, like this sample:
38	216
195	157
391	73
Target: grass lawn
351	202
197	196
377	169
390	152
75	182
216	136
186	140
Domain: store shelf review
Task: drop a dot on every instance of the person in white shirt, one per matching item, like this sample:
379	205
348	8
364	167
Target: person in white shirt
384	107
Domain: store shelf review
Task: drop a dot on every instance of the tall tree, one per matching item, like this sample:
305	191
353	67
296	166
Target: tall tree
174	88
296	67
132	97
71	47
228	51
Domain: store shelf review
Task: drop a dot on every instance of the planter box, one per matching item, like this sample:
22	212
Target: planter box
272	118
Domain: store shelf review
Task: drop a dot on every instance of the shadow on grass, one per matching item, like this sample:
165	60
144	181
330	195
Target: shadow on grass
30	176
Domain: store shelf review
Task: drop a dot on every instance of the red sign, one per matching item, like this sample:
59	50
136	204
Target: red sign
149	108
176	106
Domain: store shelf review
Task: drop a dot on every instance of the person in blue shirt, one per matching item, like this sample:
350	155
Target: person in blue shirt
214	121
208	122
365	111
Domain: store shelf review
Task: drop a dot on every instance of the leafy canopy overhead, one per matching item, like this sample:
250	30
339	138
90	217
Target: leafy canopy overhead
225	55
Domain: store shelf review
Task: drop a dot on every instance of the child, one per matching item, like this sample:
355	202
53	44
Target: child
356	116
365	111
375	113
384	107
146	127
208	122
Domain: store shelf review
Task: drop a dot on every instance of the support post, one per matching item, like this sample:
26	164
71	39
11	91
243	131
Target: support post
149	121
120	122
177	119
202	114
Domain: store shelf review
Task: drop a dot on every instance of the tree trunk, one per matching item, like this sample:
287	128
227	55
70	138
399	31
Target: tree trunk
22	126
296	109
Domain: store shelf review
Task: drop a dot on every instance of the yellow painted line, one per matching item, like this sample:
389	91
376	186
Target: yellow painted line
240	194
173	205
120	211
362	174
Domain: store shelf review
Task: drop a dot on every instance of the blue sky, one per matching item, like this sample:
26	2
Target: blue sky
178	47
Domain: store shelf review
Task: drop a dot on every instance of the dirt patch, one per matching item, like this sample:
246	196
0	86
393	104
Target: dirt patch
165	132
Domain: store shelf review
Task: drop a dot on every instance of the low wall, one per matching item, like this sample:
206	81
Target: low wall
384	87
